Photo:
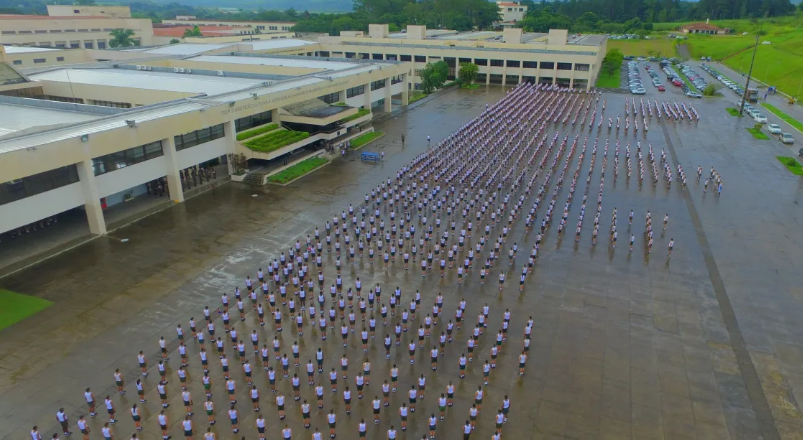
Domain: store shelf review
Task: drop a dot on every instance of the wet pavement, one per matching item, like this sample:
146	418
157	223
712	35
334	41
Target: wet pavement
702	345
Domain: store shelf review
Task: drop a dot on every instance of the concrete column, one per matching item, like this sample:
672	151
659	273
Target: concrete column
367	96
274	116
504	74
488	75
521	71
172	171
231	142
343	95
388	96
571	81
406	90
555	74
94	213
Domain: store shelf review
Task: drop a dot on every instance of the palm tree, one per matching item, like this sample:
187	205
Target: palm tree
122	38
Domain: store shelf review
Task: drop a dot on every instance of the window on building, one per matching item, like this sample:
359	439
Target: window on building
376	85
396	79
564	66
198	137
512	63
69	30
355	91
8	32
121	159
420	59
481	62
17	62
365	56
582	67
252	121
89	44
377	56
76	11
41	31
59	59
37	184
75	45
497	63
331	98
55	31
406	58
101	44
547	65
530	64
464	60
350	54
39	60
111	104
96	30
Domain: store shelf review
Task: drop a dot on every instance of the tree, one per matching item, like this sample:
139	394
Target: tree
612	61
468	72
194	32
122	38
710	90
85	2
433	76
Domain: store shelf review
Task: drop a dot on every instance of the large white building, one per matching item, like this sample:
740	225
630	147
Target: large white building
88	137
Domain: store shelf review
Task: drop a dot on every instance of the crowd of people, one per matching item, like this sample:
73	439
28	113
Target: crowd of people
454	212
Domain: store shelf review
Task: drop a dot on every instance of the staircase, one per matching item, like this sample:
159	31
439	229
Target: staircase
254	179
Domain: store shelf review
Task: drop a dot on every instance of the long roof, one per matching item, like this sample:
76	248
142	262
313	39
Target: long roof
300	62
171	82
19	117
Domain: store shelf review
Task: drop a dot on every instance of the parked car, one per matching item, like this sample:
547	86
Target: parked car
638	91
758	117
774	128
676	82
661	88
788	139
694	95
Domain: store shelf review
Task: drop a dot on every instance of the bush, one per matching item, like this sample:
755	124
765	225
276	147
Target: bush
791	164
710	90
294	172
257	131
275	140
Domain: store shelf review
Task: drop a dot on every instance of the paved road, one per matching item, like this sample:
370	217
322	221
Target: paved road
625	346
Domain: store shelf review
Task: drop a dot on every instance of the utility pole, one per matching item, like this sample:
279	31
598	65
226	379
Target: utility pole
750	72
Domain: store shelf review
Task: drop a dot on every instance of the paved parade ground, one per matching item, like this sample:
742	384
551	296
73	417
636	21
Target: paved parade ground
705	344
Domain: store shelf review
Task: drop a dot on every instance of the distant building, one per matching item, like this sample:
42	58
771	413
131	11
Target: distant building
88	11
510	13
703	28
261	26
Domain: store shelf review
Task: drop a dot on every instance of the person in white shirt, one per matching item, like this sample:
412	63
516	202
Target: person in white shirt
61	416
106	431
187	425
83	427
35	435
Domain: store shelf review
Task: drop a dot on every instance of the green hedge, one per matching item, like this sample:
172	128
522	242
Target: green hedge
791	164
758	134
275	140
256	131
291	173
359	141
360	113
415	96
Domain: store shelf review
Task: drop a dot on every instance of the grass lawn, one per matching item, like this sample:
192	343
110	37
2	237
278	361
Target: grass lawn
415	96
611	81
734	111
359	141
16	307
758	134
662	46
788	119
257	131
779	63
790	163
275	139
294	172
472	86
686	80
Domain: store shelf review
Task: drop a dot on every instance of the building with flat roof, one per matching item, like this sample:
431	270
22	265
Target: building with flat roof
88	11
510	13
70	32
254	26
86	138
507	57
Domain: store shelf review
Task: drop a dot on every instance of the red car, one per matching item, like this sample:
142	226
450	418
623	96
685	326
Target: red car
661	88
676	82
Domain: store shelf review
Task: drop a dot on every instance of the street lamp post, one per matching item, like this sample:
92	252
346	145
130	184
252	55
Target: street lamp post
747	84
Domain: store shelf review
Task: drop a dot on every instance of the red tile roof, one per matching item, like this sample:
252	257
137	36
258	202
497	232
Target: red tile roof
178	31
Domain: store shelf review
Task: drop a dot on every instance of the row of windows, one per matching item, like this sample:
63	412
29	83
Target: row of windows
109	103
55	31
252	121
198	137
479	61
376	85
355	91
121	159
330	98
88	44
37	184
